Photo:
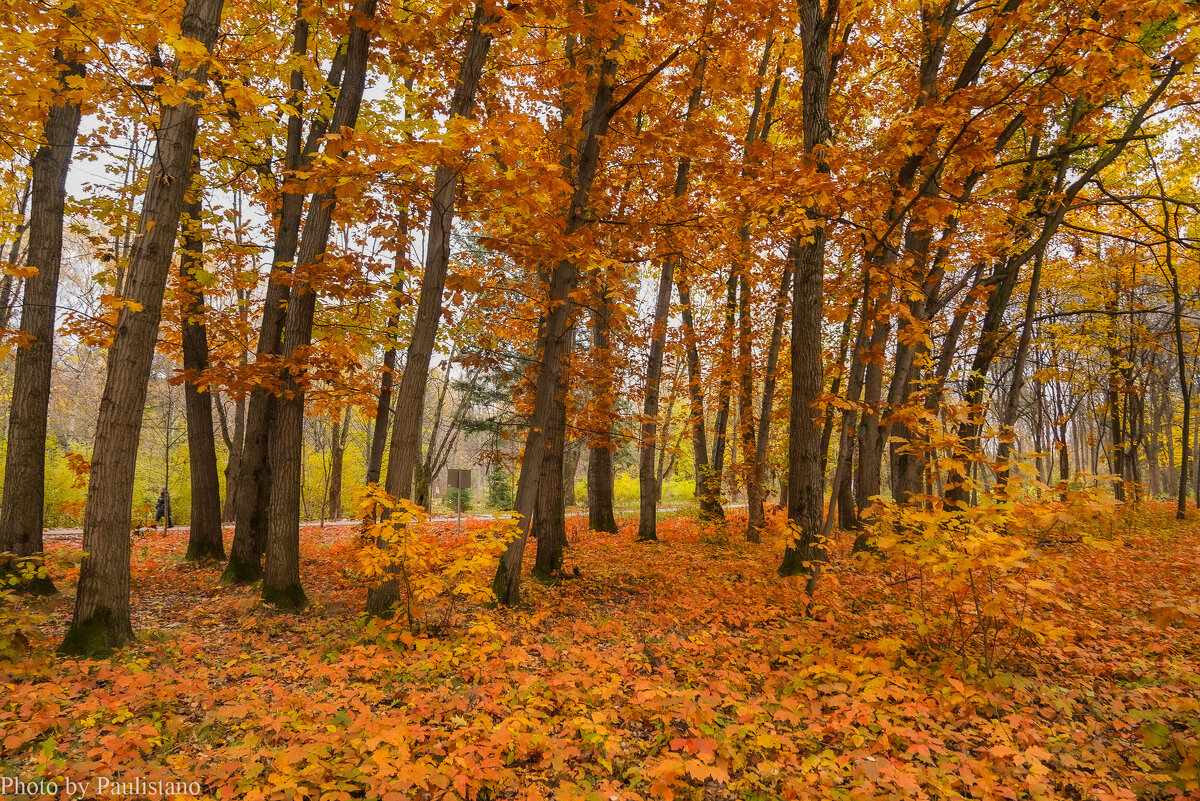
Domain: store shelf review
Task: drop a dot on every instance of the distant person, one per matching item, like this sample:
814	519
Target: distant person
163	508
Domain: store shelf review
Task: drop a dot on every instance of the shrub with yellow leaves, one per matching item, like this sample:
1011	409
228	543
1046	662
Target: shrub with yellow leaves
438	574
970	580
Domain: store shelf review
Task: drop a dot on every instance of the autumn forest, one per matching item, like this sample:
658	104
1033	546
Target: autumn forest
600	400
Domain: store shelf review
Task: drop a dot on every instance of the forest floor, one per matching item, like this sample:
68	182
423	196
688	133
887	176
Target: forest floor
684	668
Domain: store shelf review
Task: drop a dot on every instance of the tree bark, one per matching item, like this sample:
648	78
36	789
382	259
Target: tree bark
648	483
557	332
21	516
755	487
254	477
410	395
806	484
383	405
101	620
234	444
707	494
600	477
716	468
281	570
204	536
338	432
570	468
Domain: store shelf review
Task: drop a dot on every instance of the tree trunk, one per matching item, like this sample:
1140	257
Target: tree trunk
601	484
716	468
383	405
755	488
570	468
410	395
339	430
232	467
281	570
21	517
101	620
870	439
806	484
205	536
707	492
648	485
549	523
10	286
254	477
600	465
1009	420
557	333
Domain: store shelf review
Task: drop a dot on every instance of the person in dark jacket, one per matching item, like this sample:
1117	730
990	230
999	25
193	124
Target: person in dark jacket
163	508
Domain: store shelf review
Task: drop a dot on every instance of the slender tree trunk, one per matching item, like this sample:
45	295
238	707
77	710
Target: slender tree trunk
870	439
338	433
281	570
1180	356
1113	405
570	468
707	493
232	467
648	494
21	516
756	489
410	395
1009	420
716	468
254	477
205	536
383	405
10	286
101	620
557	332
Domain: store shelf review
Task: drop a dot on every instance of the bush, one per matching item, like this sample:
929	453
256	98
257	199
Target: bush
437	574
964	579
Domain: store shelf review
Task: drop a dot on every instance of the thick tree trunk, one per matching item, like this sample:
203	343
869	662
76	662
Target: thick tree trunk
205	535
25	466
549	523
410	394
600	475
601	485
806	485
101	620
281	570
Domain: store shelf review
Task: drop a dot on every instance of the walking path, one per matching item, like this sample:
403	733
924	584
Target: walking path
66	534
